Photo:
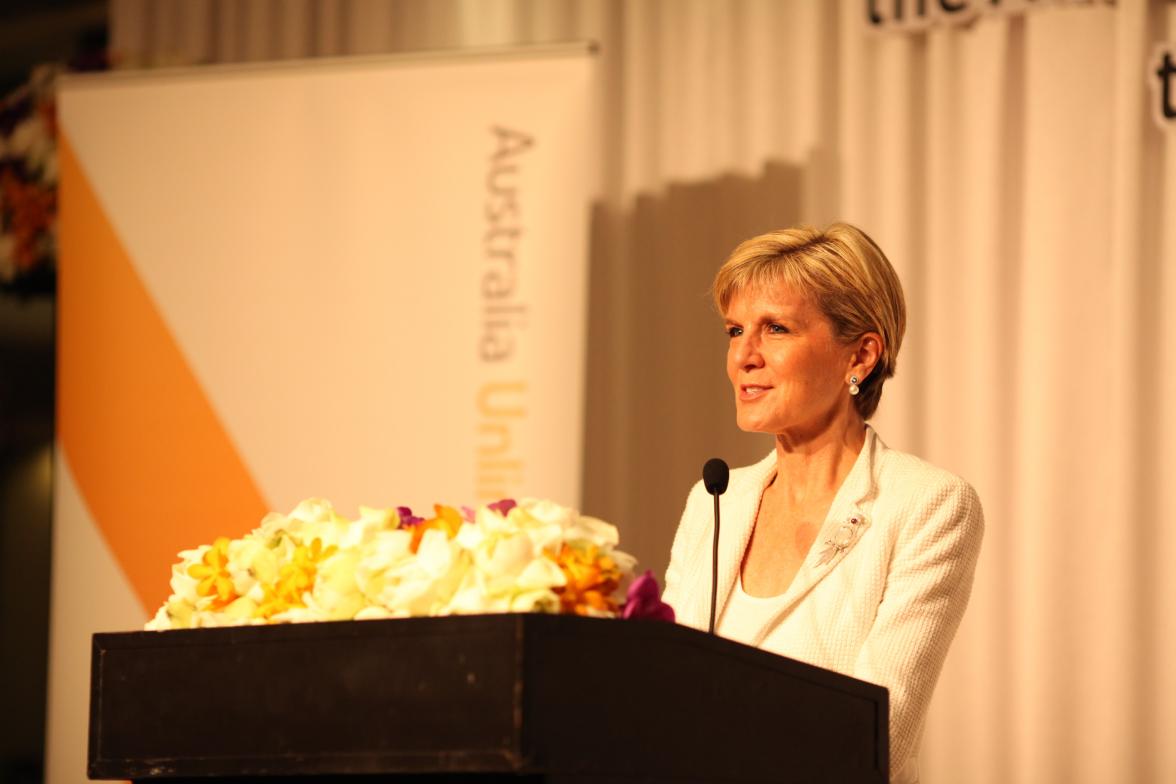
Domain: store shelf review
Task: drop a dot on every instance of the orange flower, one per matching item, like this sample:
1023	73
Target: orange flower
213	574
33	209
448	520
592	579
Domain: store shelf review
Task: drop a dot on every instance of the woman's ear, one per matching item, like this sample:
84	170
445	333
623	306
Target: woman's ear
866	355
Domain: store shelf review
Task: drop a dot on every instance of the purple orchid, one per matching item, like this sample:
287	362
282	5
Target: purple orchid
644	600
407	518
503	507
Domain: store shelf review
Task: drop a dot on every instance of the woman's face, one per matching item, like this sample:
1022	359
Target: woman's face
787	368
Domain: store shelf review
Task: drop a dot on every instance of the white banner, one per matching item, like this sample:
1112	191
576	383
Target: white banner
362	280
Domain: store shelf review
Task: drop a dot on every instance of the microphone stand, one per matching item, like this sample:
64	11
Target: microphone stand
714	566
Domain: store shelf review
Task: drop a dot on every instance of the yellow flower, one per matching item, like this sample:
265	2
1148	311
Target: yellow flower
213	574
294	579
273	602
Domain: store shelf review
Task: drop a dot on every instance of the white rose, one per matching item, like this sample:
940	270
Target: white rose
597	532
373	612
471	537
308	614
541	574
313	510
625	562
492	523
315	518
251	562
385	550
547	511
425	585
183	585
180	613
161	621
207	619
335	590
272	527
472	599
370	523
535	601
239	612
502	561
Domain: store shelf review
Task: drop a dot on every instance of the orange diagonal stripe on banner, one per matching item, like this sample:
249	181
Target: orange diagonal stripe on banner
154	464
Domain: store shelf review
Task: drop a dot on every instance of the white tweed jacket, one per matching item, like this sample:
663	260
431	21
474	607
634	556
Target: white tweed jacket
884	608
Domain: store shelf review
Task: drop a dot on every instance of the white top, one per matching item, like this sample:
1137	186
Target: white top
880	595
746	618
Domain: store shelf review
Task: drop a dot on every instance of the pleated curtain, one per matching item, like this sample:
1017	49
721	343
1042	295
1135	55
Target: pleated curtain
1011	168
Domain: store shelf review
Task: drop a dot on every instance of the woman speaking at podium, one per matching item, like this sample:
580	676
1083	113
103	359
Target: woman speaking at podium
834	549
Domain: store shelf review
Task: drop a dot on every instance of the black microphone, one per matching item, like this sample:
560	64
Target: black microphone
715	475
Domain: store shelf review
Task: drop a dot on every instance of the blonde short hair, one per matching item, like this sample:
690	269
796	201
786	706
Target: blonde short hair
848	277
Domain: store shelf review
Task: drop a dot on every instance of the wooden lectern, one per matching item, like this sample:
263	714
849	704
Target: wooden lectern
492	698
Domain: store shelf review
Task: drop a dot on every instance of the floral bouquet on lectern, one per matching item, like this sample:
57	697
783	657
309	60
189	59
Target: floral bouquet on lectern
315	565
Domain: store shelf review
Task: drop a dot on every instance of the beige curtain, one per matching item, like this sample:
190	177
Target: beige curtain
1012	170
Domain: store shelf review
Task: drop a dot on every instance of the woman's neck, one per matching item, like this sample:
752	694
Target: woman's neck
812	467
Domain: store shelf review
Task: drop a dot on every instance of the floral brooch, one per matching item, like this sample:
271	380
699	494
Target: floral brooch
842	538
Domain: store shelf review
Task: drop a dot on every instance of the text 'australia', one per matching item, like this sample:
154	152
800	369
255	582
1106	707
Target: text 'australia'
503	312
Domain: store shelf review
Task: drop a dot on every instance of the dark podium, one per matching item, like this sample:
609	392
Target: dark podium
493	698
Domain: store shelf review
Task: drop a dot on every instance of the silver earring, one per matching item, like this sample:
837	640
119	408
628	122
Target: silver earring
853	385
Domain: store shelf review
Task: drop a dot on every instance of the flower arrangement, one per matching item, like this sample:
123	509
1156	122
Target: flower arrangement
28	184
315	565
